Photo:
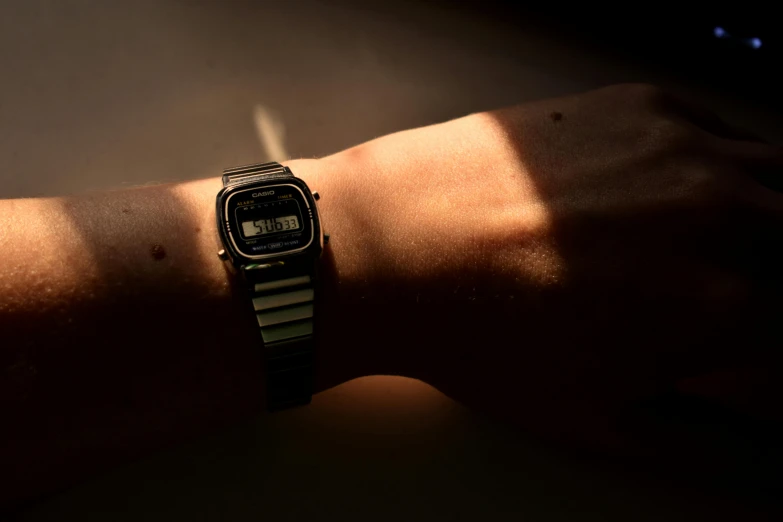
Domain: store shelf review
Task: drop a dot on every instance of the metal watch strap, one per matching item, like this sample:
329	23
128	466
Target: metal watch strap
283	295
249	172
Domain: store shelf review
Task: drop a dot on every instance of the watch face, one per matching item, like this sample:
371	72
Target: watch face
268	221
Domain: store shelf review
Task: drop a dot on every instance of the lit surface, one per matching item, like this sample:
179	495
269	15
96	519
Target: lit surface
271	133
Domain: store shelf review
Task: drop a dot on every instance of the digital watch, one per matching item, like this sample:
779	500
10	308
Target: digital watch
271	233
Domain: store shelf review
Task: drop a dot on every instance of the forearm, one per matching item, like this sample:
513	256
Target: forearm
123	332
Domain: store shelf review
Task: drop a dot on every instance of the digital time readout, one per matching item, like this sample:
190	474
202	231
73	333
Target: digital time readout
271	217
269	226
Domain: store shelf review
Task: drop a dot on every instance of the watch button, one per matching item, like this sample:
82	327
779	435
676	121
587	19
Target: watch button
326	238
316	196
222	254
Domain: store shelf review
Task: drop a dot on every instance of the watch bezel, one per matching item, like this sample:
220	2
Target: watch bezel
238	258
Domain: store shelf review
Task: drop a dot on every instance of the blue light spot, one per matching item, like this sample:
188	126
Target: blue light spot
755	43
719	32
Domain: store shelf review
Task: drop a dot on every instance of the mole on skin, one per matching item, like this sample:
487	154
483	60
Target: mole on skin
158	252
556	116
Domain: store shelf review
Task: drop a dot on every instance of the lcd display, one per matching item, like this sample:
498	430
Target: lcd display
268	226
269	220
262	219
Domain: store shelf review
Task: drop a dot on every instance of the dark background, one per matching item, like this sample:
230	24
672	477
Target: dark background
667	37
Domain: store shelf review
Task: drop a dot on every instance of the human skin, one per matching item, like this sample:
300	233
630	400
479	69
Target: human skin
550	264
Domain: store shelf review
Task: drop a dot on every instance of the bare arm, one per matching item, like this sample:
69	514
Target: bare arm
548	270
122	332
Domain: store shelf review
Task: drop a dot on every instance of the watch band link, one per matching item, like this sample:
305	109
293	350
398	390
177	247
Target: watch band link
247	172
283	296
284	311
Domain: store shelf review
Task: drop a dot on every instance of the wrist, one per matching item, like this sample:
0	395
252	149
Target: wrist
363	297
342	340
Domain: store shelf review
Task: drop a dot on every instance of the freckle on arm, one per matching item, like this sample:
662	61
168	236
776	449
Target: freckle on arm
157	252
